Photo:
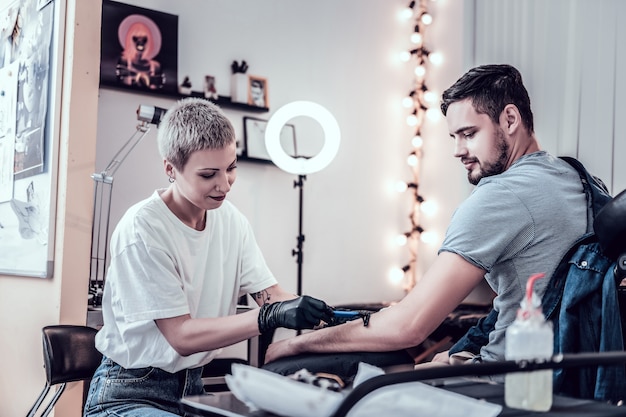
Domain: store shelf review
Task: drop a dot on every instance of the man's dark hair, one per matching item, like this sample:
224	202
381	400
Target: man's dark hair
491	88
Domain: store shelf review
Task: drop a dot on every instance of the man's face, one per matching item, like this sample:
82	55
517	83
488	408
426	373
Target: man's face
481	145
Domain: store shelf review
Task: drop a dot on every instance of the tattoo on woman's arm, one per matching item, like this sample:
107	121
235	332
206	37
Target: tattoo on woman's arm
264	296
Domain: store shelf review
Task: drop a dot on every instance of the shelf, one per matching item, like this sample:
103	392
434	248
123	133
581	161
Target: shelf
222	101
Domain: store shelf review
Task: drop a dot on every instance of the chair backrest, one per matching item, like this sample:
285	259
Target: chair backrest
583	299
610	226
70	353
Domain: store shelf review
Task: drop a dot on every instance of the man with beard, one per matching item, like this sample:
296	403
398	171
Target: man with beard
527	209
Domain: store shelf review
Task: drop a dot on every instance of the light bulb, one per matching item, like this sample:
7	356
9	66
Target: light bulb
429	207
412	160
411	120
401	240
406	13
417	141
396	275
428	237
433	114
401	186
405	56
427	19
420	70
407	102
435	58
416	38
431	97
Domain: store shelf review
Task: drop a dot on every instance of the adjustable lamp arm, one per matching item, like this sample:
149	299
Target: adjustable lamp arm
106	175
147	116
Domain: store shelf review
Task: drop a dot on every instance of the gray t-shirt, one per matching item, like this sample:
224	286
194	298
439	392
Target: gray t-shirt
517	224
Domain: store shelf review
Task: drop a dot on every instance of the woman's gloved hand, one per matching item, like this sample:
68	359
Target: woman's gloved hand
300	313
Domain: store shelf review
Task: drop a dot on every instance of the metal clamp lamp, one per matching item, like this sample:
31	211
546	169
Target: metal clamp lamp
147	116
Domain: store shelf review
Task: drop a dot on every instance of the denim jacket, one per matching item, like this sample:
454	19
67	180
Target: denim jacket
581	301
584	309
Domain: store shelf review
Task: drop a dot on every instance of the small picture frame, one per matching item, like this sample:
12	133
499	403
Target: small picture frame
210	91
254	140
257	91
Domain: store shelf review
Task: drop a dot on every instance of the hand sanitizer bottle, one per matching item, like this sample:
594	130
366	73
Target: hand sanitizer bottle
530	336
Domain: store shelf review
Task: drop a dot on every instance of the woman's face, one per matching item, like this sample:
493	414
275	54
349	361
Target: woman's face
208	176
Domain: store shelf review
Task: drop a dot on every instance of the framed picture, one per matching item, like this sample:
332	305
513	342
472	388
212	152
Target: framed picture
254	139
139	48
257	91
29	116
210	91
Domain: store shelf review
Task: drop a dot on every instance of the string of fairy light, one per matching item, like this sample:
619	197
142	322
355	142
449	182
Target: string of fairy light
422	103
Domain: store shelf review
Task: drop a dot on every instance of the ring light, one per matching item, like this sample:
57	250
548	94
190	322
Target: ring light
299	165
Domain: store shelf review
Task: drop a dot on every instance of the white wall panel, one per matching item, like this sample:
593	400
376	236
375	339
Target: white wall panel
570	55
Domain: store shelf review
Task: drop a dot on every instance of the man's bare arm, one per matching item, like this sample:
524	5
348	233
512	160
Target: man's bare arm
408	323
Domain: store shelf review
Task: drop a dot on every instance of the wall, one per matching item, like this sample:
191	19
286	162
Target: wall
340	54
569	54
344	56
28	304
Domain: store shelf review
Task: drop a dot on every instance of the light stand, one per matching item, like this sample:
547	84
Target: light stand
300	239
299	165
147	116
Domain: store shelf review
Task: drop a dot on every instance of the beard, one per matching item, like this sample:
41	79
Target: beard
496	167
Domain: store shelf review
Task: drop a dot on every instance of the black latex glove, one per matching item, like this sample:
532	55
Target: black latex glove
300	313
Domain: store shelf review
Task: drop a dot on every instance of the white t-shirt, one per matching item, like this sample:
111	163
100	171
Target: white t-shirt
162	268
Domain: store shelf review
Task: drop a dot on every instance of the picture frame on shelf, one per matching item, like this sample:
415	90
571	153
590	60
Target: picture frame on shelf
210	92
139	48
254	139
258	91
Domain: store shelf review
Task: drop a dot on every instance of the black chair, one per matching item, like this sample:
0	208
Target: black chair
610	227
69	355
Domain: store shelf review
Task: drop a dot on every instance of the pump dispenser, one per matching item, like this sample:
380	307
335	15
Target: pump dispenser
530	336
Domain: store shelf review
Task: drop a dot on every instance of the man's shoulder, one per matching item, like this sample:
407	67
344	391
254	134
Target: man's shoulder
532	170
